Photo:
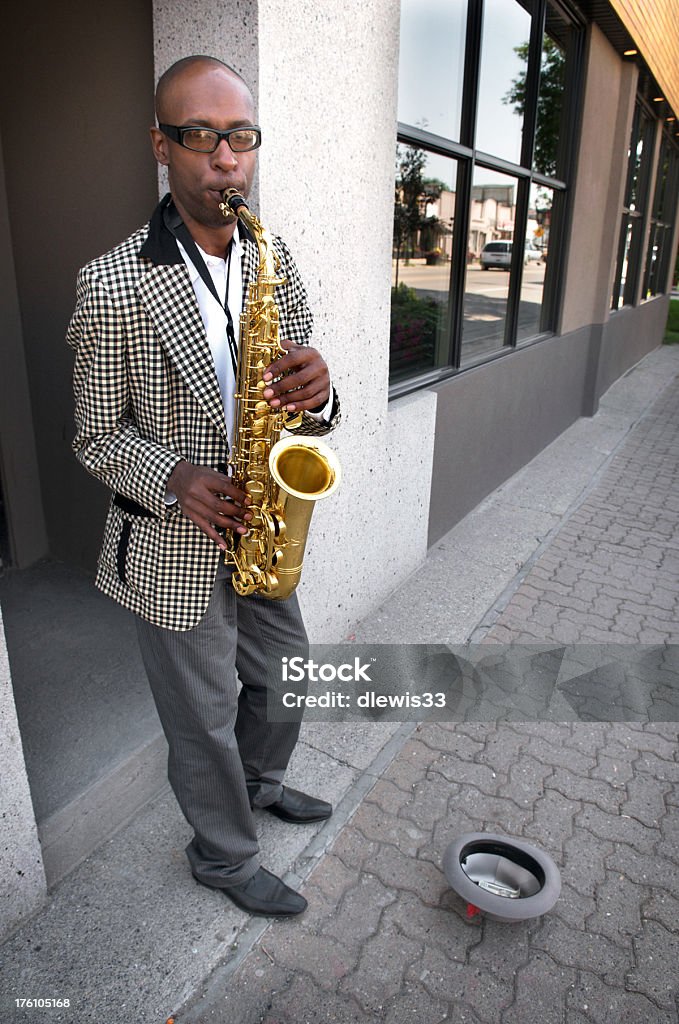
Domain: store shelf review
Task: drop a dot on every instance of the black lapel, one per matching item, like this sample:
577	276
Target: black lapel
161	246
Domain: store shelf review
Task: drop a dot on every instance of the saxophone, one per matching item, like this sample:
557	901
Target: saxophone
283	477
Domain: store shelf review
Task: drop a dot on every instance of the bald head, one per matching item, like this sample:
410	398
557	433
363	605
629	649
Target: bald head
203	93
178	77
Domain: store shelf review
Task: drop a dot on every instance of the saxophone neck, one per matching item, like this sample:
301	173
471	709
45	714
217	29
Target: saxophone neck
235	205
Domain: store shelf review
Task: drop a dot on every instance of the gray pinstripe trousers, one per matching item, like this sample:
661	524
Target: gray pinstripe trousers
224	754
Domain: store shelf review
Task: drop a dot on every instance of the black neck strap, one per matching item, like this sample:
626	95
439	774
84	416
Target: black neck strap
180	231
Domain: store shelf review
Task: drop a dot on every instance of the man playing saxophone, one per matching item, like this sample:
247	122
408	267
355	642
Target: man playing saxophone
155	334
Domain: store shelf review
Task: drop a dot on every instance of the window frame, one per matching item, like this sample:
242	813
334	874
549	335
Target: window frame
660	222
468	158
639	216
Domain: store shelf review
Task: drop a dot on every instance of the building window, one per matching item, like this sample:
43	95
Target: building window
487	101
640	157
431	65
663	213
424	215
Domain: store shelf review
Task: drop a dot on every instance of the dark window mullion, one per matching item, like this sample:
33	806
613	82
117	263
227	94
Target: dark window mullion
518	257
617	283
566	156
634	258
472	64
414	136
552	294
670	204
530	113
465	177
644	208
634	139
543	179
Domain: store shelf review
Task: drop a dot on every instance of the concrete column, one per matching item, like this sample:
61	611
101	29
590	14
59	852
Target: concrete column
227	31
22	877
328	78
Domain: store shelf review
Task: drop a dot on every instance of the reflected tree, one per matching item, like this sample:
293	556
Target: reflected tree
550	101
412	193
408	189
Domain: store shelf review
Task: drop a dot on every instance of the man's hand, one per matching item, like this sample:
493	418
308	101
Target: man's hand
304	379
210	500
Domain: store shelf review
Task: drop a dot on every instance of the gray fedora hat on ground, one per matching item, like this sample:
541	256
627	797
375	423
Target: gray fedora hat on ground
507	879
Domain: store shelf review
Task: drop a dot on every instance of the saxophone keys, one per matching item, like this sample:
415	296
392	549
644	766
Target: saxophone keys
271	582
276	556
255	488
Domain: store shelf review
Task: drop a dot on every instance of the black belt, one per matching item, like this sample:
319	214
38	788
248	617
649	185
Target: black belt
133	508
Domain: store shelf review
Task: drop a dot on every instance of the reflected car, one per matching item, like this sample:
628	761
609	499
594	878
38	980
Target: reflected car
499	254
496	254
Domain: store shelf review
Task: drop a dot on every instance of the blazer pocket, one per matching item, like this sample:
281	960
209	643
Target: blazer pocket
123	544
130	551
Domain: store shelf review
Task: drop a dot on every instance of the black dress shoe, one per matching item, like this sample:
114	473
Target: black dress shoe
264	894
299	807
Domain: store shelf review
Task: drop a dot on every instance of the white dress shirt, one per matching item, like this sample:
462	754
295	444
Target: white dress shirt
215	321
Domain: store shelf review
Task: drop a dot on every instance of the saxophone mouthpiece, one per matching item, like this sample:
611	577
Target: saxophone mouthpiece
231	202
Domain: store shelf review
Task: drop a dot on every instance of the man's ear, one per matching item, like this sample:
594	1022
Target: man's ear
159	144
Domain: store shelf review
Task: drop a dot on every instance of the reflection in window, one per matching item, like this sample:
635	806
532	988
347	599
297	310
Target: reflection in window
504	58
640	145
535	262
491	233
431	64
548	129
636	197
455	299
661	231
424	214
627	236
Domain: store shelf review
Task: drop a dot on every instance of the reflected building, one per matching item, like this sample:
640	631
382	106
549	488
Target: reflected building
491	216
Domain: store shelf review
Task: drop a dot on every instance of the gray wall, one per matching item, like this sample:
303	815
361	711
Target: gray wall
494	419
627	336
76	82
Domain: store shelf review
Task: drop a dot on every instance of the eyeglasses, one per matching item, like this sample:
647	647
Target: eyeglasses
206	140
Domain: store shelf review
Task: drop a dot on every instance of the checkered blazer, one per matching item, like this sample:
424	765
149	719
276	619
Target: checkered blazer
146	396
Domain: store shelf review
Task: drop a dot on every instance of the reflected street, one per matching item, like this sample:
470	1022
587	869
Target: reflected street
486	294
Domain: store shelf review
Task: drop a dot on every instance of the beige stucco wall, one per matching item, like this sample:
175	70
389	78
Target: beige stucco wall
609	91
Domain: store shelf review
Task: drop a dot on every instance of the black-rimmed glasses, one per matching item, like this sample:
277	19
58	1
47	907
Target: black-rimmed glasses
206	140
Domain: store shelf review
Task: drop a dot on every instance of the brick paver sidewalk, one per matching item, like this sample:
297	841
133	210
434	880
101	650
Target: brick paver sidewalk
385	939
612	572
